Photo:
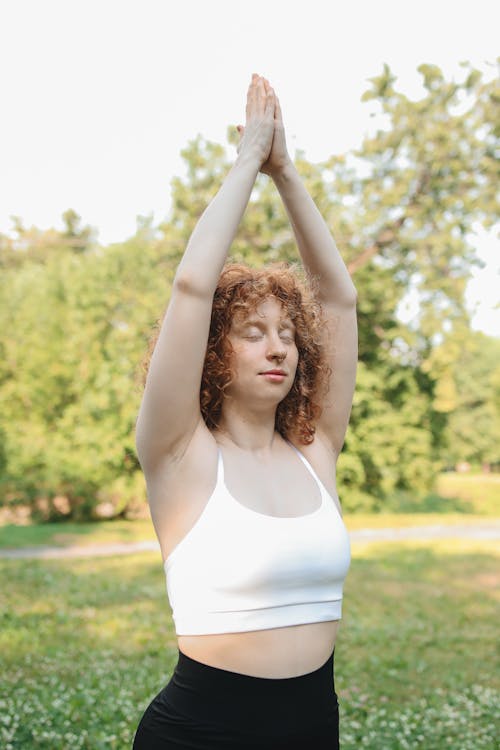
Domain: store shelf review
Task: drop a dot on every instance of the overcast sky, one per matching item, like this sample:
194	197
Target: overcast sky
100	96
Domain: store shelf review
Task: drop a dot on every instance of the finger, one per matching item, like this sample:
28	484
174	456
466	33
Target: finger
252	95
262	96
270	101
277	110
251	100
270	89
251	89
268	86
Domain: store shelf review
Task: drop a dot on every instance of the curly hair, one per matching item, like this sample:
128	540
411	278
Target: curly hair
239	291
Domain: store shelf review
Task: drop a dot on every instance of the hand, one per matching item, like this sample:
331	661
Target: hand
278	157
257	136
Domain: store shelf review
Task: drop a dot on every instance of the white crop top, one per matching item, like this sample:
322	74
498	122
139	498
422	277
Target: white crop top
238	570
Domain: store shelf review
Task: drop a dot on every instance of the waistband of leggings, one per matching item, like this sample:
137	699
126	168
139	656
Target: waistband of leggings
214	676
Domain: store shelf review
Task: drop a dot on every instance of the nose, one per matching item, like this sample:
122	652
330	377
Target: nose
276	351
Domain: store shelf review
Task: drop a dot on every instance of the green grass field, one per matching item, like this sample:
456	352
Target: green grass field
85	645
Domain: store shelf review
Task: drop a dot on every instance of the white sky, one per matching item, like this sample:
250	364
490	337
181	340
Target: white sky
100	96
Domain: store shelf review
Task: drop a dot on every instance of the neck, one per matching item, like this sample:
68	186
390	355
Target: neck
250	431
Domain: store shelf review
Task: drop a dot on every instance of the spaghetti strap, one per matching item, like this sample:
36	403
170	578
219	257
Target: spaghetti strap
220	467
306	463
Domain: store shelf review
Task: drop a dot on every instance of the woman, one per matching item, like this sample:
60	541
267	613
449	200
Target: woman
238	439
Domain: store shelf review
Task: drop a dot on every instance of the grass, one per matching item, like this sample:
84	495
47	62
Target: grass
66	534
479	493
86	644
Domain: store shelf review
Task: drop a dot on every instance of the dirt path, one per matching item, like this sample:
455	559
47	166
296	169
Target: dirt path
485	531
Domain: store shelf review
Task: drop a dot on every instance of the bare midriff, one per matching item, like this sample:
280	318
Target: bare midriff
274	653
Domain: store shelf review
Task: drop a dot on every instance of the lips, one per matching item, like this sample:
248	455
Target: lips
273	372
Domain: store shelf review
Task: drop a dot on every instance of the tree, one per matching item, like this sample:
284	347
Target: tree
37	245
469	391
75	319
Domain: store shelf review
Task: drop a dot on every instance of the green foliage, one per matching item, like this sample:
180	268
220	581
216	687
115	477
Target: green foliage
34	245
75	318
474	424
427	177
466	371
75	331
389	437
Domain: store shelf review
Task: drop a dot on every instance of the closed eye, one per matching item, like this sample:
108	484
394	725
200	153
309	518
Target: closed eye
287	335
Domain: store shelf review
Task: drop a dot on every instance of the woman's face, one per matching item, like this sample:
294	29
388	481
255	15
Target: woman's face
265	356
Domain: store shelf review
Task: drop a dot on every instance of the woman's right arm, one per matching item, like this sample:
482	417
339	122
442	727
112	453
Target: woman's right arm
170	408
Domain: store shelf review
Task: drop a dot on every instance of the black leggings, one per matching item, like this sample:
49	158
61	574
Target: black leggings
205	708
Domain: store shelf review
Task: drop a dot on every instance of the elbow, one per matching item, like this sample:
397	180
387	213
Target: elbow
344	299
191	284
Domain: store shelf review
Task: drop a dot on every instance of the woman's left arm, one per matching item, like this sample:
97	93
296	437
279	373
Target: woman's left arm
337	293
316	245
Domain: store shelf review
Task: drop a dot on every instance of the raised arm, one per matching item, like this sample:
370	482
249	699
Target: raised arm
338	299
170	408
337	292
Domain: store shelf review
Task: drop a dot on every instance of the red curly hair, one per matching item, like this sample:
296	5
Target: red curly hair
239	292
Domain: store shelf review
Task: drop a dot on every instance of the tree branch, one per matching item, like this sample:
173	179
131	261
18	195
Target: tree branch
388	233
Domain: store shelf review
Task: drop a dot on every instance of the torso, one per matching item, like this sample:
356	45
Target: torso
178	493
